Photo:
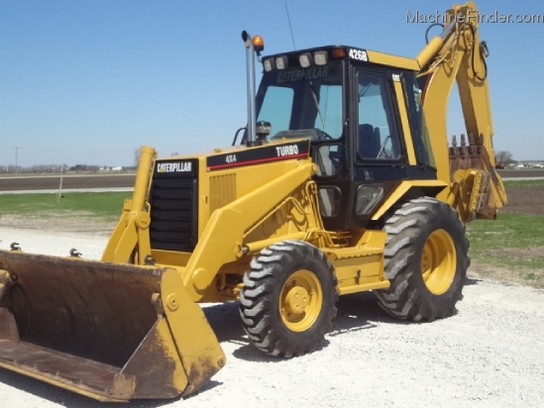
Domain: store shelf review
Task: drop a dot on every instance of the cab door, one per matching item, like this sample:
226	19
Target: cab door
378	146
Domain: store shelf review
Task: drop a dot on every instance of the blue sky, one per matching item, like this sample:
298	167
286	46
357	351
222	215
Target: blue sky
91	81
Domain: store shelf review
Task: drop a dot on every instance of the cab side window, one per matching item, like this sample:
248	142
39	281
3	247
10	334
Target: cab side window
420	135
377	138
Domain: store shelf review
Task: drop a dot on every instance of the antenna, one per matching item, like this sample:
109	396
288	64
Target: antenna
290	27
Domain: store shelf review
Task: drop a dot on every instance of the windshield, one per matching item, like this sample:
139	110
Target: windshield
303	99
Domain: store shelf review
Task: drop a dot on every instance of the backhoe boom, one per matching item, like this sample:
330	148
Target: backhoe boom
468	166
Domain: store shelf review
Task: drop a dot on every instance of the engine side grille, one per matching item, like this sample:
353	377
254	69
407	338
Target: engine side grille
174	205
222	191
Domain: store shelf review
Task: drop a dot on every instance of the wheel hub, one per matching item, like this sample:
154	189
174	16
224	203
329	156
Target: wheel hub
301	300
297	300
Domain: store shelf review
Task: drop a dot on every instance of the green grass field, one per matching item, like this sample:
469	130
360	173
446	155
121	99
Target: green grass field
107	206
510	248
526	182
513	243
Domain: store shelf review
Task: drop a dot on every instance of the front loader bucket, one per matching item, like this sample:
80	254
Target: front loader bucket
110	331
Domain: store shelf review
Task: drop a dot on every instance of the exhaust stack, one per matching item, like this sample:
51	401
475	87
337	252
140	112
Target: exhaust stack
255	44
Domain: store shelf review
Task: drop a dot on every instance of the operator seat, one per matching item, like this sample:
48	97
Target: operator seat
369	141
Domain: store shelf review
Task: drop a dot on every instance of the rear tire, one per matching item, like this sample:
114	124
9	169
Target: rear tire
288	299
426	261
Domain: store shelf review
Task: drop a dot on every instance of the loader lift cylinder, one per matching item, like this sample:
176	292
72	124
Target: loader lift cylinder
143	176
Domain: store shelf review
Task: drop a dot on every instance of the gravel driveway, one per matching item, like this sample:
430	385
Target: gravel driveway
491	354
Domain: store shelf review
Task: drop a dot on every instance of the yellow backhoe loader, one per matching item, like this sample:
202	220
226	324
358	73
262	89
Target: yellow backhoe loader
342	182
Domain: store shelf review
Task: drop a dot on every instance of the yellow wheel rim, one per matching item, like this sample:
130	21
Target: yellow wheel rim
301	300
438	262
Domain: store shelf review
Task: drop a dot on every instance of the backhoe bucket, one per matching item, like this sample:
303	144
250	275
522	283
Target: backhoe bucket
110	331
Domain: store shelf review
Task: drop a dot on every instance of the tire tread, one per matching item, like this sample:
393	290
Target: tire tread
262	283
408	298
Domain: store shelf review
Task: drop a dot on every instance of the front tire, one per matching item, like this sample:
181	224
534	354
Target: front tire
426	261
288	299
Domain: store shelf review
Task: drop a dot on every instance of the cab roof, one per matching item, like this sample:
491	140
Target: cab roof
349	53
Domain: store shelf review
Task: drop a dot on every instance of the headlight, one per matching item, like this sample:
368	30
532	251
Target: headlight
320	58
281	62
305	60
268	64
366	198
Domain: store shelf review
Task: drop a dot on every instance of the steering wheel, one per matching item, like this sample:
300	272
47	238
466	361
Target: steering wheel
322	135
312	133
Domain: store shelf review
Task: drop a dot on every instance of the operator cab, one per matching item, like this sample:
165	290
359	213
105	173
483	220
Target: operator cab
350	104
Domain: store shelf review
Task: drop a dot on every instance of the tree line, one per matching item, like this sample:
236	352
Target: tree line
48	168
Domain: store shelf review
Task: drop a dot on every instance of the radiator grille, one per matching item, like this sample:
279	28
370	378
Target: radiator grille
174	206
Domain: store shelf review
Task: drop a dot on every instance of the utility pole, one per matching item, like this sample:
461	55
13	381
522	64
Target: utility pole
16	157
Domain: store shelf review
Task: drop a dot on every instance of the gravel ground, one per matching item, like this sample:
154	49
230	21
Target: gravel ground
491	354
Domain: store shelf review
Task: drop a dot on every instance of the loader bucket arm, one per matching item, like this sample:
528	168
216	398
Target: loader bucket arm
109	331
223	239
468	166
129	241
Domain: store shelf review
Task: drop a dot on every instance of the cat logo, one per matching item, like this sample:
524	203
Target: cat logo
174	167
